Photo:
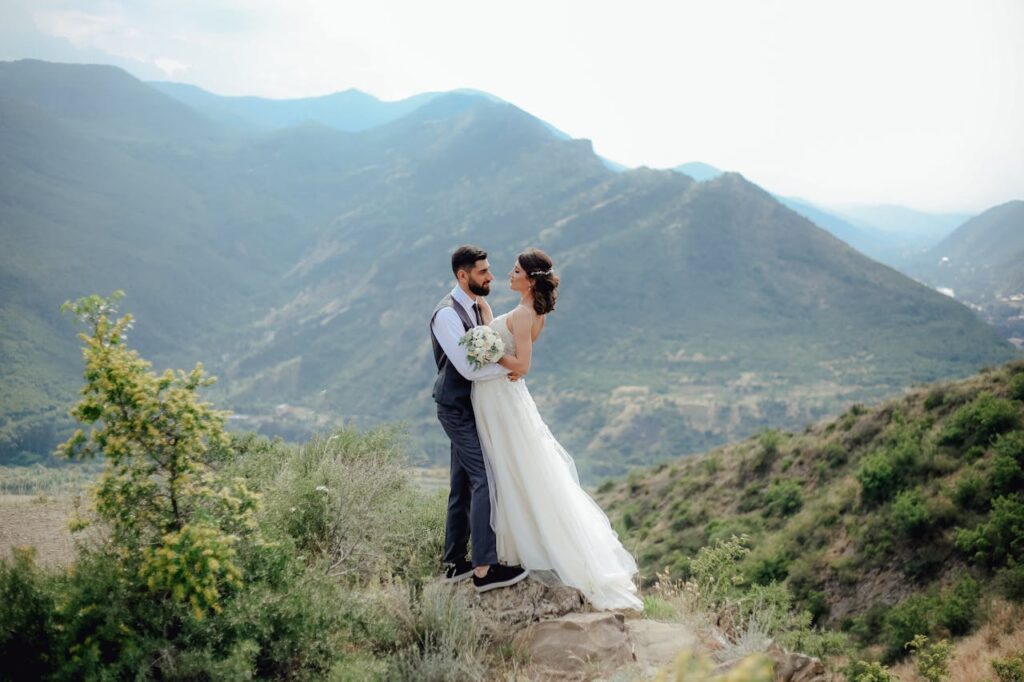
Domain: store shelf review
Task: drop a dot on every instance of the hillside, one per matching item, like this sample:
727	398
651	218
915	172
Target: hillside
982	264
298	264
889	521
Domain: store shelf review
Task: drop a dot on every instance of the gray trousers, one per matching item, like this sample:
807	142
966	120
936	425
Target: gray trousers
469	503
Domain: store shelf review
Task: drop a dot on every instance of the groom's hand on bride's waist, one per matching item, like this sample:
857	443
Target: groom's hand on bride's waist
514	376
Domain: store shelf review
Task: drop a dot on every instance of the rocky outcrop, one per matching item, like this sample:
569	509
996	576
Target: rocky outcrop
577	642
565	639
794	667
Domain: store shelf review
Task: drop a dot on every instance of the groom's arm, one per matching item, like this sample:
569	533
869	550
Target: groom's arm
448	330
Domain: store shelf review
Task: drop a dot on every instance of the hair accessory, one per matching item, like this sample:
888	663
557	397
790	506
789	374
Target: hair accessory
538	273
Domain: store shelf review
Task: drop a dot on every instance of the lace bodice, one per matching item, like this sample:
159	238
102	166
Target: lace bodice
499	325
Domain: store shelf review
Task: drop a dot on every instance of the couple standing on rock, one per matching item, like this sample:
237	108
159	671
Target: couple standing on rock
515	494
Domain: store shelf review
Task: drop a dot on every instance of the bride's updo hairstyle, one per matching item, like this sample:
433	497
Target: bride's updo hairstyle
538	268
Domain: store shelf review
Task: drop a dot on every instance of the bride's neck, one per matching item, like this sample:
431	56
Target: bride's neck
526	299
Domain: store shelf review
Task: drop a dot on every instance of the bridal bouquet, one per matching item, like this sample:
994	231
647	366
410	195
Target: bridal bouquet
483	346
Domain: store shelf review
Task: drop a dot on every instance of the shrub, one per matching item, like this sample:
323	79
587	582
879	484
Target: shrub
167	508
1017	386
349	499
835	454
936	398
903	622
1010	669
783	498
970	492
909	514
770	569
26	617
1006	475
863	671
957	609
889	469
1000	538
445	639
932	659
1010	581
979	421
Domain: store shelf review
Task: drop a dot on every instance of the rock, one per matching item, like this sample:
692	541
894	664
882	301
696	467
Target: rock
794	667
578	641
512	607
658	644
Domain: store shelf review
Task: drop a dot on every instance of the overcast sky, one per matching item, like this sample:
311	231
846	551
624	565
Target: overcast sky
899	101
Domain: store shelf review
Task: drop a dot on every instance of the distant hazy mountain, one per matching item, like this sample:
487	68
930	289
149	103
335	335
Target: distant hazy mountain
351	110
985	255
905	220
300	265
698	170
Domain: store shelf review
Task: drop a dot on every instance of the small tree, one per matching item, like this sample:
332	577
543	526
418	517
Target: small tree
172	517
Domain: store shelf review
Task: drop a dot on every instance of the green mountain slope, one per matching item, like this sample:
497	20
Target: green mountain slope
983	258
300	264
889	517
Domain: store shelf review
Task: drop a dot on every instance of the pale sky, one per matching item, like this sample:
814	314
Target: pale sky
918	103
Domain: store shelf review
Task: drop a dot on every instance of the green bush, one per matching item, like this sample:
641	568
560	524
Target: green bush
445	641
909	618
957	610
348	499
864	671
979	421
1006	476
1010	669
1000	538
783	498
835	454
1010	581
970	492
1011	444
889	469
932	659
936	398
910	515
27	631
1017	386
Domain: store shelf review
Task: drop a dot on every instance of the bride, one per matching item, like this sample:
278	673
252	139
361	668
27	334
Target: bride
542	517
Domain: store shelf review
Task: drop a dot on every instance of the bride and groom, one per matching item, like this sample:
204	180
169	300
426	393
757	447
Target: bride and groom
515	495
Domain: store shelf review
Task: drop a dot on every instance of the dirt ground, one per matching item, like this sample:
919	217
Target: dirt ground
38	521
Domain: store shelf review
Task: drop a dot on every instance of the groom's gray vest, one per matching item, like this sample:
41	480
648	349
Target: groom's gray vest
450	387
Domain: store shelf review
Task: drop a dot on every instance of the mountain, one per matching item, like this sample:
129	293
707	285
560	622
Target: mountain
351	110
297	264
984	257
698	170
905	514
903	220
982	264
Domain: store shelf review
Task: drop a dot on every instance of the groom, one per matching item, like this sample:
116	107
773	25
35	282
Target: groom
469	502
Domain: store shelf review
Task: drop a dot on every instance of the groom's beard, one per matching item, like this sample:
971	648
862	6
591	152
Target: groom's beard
480	289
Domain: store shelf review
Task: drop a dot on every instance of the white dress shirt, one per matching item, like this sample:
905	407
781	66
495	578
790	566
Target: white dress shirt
448	329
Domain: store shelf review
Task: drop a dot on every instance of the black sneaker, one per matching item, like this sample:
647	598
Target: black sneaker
499	576
457	572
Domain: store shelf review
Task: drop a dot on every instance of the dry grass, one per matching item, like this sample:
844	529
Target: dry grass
40	522
1001	637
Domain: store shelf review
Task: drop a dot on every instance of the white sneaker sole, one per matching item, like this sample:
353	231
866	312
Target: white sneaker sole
505	583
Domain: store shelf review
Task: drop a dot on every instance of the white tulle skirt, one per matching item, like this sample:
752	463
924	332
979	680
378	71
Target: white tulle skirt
542	518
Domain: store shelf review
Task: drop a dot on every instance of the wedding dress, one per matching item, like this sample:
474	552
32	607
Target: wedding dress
542	517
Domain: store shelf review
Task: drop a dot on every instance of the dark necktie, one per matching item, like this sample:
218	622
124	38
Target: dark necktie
476	311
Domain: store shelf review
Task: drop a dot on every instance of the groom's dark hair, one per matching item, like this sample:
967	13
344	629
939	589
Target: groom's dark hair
465	257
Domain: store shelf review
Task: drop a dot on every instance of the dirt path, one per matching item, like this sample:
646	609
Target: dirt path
37	521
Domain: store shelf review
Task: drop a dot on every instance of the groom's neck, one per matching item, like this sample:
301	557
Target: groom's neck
465	290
